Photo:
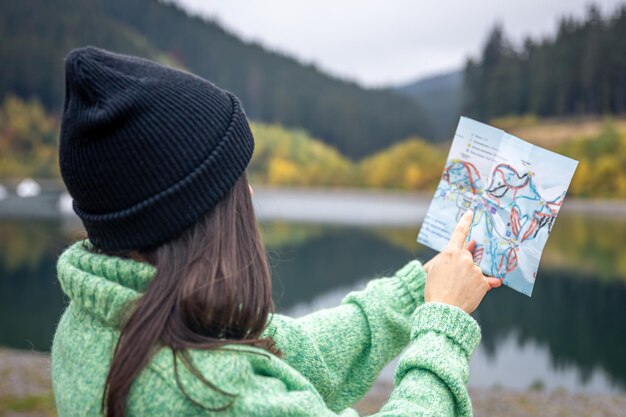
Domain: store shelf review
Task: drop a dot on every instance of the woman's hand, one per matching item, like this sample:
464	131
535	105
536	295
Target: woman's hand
452	277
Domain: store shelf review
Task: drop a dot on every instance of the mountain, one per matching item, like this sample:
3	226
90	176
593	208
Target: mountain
35	35
440	97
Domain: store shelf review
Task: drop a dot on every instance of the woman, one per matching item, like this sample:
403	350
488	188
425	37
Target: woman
170	301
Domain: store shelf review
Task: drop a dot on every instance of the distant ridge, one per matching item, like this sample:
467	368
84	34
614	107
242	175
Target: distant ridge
440	98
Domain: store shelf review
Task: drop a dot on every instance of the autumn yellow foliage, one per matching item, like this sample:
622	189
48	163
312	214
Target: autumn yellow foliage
601	171
412	165
27	140
291	157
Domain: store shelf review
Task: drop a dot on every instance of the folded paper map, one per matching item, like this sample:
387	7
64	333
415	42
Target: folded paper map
515	189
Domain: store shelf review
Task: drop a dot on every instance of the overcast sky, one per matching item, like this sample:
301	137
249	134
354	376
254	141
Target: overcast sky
379	42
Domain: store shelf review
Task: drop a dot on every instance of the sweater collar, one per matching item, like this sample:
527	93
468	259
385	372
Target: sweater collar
100	284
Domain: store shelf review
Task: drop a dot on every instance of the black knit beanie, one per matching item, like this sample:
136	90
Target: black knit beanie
146	150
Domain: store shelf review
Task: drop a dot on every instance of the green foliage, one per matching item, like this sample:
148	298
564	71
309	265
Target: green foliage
411	165
27	140
287	157
581	70
291	157
35	35
602	168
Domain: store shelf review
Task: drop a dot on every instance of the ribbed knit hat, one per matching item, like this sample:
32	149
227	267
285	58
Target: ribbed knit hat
146	150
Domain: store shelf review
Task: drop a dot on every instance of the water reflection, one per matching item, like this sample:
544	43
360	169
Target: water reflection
338	257
576	317
592	244
580	320
30	296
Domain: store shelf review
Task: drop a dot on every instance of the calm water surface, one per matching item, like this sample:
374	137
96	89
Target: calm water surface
571	334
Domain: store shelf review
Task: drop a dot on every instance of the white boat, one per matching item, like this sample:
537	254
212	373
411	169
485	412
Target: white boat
28	188
65	203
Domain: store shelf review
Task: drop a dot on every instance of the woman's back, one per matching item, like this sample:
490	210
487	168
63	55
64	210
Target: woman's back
329	361
100	288
170	296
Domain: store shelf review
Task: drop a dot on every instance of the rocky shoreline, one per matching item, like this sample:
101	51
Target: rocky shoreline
25	392
500	402
25	389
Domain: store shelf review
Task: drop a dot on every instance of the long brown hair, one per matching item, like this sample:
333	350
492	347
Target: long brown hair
212	287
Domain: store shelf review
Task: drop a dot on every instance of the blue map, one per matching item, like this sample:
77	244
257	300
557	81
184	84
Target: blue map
516	190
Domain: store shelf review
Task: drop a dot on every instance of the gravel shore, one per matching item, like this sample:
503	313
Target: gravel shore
25	392
500	402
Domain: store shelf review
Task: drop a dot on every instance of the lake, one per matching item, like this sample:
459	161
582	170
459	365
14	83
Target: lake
570	335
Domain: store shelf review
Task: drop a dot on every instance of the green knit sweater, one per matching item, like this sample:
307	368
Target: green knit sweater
330	358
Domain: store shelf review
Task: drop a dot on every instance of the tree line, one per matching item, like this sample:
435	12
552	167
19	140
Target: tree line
282	157
35	35
579	70
295	158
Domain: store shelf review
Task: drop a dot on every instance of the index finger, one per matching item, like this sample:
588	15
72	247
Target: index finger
459	235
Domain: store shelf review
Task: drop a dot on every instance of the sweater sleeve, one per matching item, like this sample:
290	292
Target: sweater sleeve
343	349
429	379
432	374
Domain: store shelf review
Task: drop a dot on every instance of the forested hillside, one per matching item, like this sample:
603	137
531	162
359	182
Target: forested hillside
580	70
35	35
282	157
292	157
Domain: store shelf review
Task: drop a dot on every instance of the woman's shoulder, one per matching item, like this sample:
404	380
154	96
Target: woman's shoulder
216	377
232	365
